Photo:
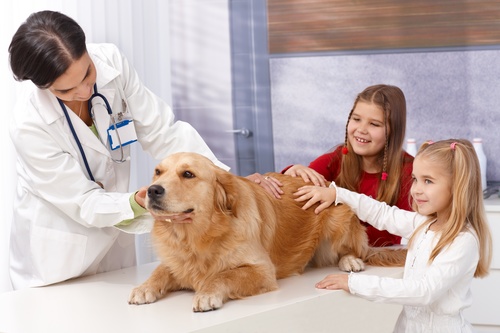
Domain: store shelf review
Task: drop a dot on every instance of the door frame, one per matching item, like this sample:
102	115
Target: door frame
251	88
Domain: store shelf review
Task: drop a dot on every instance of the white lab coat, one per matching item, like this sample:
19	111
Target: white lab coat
63	222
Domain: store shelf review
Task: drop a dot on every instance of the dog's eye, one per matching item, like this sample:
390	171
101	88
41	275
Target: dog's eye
188	174
157	172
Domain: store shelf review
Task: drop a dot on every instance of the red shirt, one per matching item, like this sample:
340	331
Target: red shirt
329	166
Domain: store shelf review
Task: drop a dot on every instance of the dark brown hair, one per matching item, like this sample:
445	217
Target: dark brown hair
44	47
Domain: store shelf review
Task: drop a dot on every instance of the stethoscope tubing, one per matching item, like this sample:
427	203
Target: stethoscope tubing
75	136
82	152
97	94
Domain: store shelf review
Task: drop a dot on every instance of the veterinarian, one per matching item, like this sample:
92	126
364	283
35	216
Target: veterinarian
449	239
74	154
371	160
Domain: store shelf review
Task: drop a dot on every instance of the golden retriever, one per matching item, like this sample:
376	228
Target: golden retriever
225	237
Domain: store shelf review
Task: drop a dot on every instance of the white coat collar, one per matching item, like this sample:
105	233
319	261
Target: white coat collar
105	72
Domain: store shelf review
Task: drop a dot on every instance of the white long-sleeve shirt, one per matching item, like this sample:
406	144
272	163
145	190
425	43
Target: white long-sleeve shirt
433	294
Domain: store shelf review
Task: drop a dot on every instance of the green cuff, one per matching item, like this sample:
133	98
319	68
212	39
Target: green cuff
136	208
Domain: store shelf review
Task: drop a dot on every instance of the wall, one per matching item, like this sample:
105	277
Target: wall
450	94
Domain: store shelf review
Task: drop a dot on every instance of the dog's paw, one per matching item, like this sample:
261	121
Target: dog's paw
350	263
205	302
143	295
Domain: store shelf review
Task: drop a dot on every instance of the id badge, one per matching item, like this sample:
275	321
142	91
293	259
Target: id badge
124	133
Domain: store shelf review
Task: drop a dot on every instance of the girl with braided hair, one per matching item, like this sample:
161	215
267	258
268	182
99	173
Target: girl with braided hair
371	160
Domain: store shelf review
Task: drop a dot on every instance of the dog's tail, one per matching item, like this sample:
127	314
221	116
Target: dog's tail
386	256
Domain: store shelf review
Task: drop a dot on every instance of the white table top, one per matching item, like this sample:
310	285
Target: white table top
99	304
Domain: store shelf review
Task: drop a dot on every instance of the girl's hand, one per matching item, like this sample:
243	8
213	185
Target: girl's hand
270	184
334	282
324	195
307	174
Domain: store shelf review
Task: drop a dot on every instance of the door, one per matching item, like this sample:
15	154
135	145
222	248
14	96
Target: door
251	87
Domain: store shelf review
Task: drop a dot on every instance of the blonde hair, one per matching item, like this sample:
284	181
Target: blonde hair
392	102
466	207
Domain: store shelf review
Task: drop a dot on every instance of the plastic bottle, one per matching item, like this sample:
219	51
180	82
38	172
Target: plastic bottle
411	147
478	146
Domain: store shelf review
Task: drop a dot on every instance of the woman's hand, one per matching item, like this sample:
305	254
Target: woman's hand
334	281
324	195
307	174
270	184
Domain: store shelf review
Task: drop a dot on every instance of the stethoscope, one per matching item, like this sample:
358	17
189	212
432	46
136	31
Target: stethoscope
96	94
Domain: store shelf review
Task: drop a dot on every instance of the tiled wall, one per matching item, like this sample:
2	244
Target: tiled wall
449	95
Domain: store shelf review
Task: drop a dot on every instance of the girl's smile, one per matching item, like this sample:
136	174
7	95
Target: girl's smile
361	140
419	202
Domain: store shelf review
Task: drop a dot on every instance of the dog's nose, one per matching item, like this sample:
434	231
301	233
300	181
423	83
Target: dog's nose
155	191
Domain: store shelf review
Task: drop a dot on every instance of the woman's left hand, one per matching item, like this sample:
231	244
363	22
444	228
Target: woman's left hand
334	281
270	184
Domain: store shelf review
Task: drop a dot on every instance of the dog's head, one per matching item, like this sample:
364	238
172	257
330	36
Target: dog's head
186	185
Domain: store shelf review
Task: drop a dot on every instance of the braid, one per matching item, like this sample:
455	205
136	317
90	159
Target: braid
346	125
345	150
386	110
384	165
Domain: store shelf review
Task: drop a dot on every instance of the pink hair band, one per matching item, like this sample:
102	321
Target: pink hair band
452	146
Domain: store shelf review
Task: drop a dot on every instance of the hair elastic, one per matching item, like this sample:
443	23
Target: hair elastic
384	175
452	146
345	150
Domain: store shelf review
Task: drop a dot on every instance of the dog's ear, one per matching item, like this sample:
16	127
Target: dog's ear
225	196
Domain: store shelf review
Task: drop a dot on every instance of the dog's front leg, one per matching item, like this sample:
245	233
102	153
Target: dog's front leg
158	285
234	284
351	263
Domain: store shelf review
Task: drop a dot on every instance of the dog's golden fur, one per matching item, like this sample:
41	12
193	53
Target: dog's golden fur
225	237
